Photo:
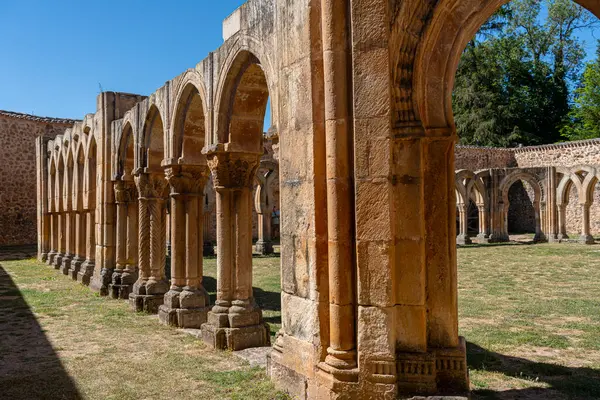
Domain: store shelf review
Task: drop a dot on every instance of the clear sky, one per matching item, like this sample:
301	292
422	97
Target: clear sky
57	53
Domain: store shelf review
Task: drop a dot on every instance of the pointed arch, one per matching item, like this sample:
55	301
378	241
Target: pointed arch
153	140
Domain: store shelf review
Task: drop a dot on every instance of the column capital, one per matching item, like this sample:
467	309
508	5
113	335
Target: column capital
232	170
125	191
186	179
151	185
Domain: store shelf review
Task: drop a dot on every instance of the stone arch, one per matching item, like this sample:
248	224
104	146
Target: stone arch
78	177
126	154
537	187
449	27
190	123
589	181
243	92
89	179
152	144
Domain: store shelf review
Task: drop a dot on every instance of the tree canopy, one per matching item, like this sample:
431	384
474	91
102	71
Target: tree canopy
519	80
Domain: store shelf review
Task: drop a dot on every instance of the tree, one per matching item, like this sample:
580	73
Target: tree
584	118
513	83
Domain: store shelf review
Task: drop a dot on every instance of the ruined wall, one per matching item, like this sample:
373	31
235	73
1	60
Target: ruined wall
584	152
476	158
17	173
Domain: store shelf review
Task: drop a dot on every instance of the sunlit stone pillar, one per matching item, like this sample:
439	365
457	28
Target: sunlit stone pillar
79	257
148	291
586	237
87	268
125	193
562	222
186	303
130	273
463	221
53	239
70	242
484	233
235	322
264	245
61	240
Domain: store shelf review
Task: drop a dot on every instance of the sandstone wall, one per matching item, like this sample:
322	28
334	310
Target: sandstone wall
585	152
18	175
476	158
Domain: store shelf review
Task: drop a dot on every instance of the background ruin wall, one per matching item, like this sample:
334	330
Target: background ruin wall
18	174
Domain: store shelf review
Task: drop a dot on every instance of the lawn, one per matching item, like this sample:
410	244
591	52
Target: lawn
530	314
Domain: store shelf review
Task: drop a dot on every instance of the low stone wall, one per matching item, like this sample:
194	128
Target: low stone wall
18	173
585	152
476	158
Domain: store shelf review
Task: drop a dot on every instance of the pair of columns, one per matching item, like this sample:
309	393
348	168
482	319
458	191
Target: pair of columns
586	236
463	220
125	273
71	243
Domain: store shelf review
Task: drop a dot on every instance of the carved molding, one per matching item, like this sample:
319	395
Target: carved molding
187	178
233	170
151	186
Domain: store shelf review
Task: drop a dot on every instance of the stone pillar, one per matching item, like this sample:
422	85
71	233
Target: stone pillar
53	236
235	322
586	237
484	233
45	245
264	245
130	272
148	291
498	222
552	224
562	222
70	242
61	239
186	303
80	231
125	193
463	222
87	268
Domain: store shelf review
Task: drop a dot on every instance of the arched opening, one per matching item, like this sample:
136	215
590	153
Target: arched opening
86	270
521	220
450	27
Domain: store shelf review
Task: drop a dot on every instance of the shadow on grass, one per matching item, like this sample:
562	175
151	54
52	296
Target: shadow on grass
29	365
10	253
563	382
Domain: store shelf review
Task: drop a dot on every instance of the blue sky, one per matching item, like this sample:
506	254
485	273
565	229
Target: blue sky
56	54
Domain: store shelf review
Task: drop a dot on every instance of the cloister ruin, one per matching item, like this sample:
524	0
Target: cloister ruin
363	148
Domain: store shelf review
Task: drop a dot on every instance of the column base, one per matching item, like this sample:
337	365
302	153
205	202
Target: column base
562	237
483	238
85	273
76	264
586	239
235	339
208	250
66	264
42	257
148	303
264	247
499	239
50	258
185	308
58	260
540	238
117	292
463	239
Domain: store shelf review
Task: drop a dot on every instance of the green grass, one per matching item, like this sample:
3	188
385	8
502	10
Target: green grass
64	342
530	314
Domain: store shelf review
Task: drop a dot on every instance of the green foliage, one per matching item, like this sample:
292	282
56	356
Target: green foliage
584	118
513	81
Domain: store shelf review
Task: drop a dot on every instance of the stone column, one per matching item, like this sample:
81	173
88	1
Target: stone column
61	239
562	222
87	268
586	237
53	239
130	273
463	222
552	224
484	233
80	231
235	322
148	291
264	245
70	242
186	303
123	197
45	245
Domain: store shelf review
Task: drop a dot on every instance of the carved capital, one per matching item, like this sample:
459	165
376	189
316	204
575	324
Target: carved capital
151	186
233	170
187	179
125	191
